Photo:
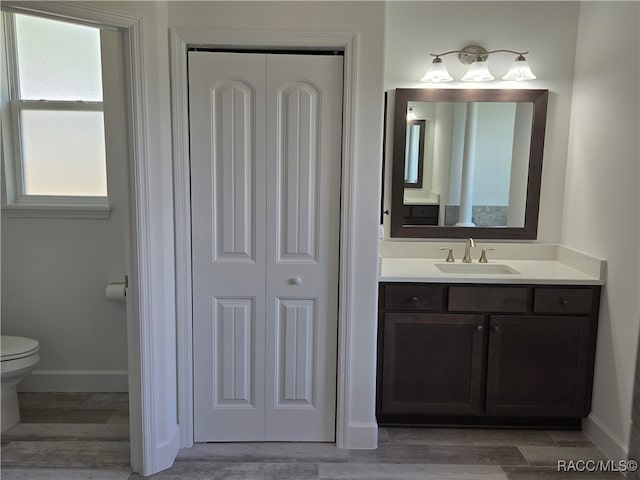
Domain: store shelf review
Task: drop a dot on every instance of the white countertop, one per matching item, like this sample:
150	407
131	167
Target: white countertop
529	271
549	264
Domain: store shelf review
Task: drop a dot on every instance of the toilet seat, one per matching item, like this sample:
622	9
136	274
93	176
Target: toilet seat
19	357
14	348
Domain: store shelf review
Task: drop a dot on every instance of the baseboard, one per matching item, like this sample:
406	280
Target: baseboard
75	381
603	438
363	436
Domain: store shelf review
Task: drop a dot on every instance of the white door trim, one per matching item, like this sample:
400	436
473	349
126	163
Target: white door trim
181	39
148	455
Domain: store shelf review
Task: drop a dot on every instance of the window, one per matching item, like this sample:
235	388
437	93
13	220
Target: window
56	114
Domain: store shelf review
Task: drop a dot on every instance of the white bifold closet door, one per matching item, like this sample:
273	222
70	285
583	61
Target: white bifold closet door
265	180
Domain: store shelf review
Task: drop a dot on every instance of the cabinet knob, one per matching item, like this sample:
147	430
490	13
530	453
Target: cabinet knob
295	281
479	328
496	328
563	301
414	299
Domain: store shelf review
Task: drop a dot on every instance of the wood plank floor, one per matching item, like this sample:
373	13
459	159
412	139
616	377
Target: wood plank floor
78	436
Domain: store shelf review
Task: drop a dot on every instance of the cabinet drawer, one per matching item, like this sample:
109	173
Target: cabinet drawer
562	300
487	299
413	297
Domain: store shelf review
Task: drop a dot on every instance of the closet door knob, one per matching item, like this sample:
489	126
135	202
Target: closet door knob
295	281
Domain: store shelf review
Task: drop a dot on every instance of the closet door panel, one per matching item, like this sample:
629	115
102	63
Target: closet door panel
304	145
227	110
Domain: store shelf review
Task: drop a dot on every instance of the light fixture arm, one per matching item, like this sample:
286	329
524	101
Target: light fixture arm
478	54
508	51
445	53
474	53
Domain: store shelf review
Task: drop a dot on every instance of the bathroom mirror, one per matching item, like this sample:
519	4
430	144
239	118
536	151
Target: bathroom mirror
467	163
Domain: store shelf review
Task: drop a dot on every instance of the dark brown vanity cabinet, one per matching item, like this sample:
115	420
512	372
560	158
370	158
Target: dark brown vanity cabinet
485	354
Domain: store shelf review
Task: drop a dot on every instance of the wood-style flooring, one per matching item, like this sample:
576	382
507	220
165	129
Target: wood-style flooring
78	436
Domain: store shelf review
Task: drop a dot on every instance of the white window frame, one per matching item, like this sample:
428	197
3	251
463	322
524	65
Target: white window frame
17	202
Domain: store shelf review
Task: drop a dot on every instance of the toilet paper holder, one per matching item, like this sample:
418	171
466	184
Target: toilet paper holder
117	291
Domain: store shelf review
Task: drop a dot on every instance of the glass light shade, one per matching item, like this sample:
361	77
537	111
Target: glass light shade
411	115
478	72
437	72
519	70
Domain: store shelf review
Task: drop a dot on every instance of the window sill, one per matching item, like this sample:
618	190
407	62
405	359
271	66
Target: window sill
85	211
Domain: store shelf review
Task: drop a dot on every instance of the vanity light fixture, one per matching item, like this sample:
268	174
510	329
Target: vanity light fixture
411	115
476	57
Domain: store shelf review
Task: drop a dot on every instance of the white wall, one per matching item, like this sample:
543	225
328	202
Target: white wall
367	20
546	29
602	200
54	273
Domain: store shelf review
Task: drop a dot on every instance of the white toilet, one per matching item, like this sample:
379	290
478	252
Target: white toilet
19	358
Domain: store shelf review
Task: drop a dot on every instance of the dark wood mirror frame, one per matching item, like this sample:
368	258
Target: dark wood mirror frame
403	96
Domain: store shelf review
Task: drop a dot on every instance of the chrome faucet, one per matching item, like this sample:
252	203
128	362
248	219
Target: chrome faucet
467	250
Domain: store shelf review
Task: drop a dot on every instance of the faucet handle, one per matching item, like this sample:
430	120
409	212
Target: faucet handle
449	255
483	255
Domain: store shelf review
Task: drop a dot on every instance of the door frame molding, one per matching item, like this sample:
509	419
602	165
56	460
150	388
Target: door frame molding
180	40
148	454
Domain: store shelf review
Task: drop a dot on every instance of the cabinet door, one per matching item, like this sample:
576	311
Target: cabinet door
433	364
537	366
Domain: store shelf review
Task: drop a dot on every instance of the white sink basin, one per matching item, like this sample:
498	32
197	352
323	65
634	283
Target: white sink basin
476	268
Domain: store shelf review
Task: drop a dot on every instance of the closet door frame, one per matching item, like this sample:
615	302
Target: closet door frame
181	40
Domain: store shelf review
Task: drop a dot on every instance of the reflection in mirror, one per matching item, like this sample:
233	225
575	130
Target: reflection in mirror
414	154
476	162
467	159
